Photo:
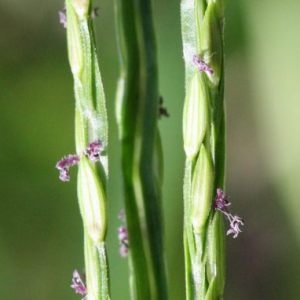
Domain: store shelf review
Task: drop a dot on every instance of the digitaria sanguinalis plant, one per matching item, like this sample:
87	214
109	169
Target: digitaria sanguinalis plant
91	144
138	108
202	24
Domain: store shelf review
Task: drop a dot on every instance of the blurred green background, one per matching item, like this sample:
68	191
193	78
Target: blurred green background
40	227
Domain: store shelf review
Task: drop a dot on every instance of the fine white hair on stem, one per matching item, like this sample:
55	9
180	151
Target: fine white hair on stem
94	118
197	274
187	5
189	50
189	31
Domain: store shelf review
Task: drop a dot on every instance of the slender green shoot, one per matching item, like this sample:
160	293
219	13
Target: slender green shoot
137	115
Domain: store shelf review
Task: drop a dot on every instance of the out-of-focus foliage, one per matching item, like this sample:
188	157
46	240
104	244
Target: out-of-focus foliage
40	227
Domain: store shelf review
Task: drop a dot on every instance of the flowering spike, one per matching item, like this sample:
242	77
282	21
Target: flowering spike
221	203
94	150
64	165
78	284
202	65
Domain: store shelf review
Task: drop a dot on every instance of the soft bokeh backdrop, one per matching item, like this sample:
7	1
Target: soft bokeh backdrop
40	227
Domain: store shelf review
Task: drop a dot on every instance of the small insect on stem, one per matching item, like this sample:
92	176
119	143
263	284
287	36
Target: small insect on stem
162	111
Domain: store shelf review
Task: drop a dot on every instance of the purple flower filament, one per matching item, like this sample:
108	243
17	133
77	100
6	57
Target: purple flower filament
221	204
202	65
78	284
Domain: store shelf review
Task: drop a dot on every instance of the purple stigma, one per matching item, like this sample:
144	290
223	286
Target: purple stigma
64	165
202	65
64	175
123	241
123	250
62	18
221	201
123	236
94	150
78	284
221	204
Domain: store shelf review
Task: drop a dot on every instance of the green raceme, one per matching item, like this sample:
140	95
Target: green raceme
203	134
90	128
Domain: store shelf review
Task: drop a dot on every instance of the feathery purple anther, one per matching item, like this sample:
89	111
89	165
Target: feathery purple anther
202	65
78	284
221	203
64	165
122	234
94	150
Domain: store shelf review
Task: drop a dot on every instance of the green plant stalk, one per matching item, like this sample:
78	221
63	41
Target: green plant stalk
90	126
204	145
137	114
